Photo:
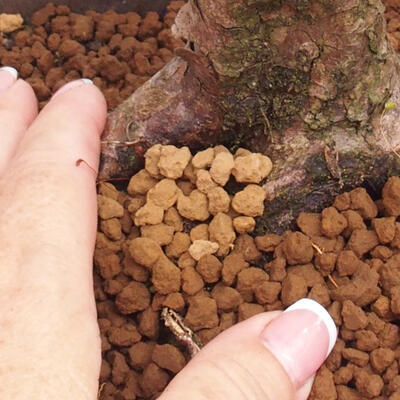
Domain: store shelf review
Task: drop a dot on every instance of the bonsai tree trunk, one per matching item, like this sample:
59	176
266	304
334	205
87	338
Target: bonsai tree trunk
305	82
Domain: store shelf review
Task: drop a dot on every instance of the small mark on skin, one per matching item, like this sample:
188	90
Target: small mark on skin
81	160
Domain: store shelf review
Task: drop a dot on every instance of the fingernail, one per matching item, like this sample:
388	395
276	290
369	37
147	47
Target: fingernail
301	338
71	85
8	76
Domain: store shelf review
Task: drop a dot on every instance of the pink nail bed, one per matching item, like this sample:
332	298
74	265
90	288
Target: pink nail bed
8	76
301	338
71	85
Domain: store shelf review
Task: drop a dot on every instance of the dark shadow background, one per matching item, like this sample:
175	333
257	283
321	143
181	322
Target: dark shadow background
27	7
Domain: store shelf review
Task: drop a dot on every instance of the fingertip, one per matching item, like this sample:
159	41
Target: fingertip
301	339
20	97
82	96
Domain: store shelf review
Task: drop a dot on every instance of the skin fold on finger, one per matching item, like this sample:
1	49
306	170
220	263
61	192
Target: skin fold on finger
18	108
47	228
234	365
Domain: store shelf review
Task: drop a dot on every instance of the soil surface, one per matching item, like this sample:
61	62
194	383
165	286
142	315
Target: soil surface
119	52
179	240
179	237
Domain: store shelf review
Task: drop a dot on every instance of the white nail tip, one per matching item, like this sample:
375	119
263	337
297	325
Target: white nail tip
315	307
11	70
86	80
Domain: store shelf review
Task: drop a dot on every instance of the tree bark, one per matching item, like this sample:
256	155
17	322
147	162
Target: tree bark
305	82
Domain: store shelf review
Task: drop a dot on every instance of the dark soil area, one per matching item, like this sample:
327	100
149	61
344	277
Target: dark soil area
176	238
119	52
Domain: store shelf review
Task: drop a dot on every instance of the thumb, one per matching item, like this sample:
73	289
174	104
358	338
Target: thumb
269	356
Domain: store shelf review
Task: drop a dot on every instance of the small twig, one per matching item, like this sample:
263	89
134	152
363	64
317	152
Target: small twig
329	275
333	281
119	143
316	248
174	322
268	123
101	390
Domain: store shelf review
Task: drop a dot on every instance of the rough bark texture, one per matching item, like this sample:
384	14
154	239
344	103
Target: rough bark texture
304	82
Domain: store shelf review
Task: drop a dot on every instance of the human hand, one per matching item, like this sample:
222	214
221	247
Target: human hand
50	346
270	356
49	339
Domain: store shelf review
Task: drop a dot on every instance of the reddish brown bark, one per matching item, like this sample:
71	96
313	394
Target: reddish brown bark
302	81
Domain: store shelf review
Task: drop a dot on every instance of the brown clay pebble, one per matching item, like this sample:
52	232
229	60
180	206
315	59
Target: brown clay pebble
202	313
203	159
191	281
232	265
347	263
357	357
332	223
199	232
244	224
193	207
391	196
381	359
293	288
109	208
209	267
227	298
166	276
369	385
362	240
164	194
385	229
221	167
134	297
140	355
251	168
297	248
173	161
153	380
149	214
168	357
362	202
267	292
248	279
309	224
324	386
160	233
174	301
354	317
145	251
222	232
249	201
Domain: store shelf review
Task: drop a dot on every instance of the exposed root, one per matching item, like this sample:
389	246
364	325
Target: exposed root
101	388
174	322
316	248
319	251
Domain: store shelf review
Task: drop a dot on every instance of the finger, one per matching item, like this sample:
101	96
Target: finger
47	229
18	108
270	356
67	130
68	127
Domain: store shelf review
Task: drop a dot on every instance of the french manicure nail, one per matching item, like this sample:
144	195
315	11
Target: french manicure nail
71	85
301	338
8	76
